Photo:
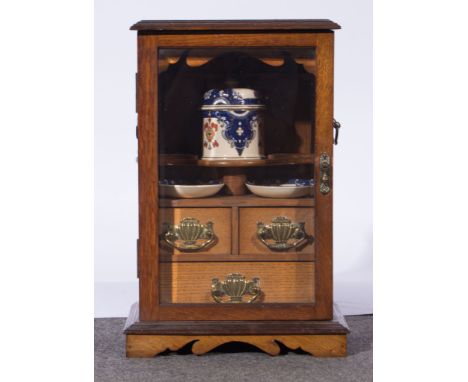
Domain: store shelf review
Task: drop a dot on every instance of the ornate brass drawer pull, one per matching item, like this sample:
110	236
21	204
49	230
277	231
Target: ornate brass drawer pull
235	287
325	173
281	234
189	235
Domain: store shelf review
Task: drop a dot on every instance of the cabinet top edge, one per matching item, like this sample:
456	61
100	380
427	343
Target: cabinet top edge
234	25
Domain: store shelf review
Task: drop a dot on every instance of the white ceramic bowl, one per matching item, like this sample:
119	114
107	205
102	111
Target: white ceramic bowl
189	191
280	191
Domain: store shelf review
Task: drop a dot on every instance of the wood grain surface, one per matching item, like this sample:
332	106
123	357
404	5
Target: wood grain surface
262	257
324	203
280	282
215	39
239	163
234	180
303	157
220	217
209	25
337	325
249	200
331	345
147	99
250	244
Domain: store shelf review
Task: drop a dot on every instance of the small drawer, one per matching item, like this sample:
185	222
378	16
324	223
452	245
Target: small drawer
276	230
194	230
278	282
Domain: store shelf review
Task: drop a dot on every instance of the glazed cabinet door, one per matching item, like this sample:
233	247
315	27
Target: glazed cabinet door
235	175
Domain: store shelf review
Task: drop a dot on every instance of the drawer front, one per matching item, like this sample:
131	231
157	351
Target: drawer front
279	282
251	244
212	236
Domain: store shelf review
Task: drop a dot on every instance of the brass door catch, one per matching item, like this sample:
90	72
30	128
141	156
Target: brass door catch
325	173
189	235
234	288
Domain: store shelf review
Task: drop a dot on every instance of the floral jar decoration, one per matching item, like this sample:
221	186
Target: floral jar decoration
232	124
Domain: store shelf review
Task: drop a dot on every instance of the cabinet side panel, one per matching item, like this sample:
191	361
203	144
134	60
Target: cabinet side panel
324	202
148	176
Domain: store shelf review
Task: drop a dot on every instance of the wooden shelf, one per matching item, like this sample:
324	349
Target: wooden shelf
237	201
271	160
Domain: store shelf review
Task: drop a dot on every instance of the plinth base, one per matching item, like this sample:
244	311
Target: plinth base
318	338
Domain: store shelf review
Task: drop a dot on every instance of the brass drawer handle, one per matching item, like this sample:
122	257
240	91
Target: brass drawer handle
281	234
189	235
235	287
325	169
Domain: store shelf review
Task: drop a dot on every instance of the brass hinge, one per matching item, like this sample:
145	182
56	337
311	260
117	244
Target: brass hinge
136	92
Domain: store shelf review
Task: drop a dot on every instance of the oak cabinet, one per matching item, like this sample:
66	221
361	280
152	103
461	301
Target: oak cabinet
234	256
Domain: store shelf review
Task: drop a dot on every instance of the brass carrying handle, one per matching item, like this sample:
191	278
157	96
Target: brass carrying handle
336	126
232	290
281	234
189	235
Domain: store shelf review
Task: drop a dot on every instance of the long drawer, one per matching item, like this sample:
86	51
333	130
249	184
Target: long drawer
279	282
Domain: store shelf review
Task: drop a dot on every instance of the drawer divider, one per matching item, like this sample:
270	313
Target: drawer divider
235	231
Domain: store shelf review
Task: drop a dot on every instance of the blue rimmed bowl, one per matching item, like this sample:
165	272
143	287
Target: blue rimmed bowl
290	188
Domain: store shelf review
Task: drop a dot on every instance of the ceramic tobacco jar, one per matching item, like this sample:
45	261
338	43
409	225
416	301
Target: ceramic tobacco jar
232	124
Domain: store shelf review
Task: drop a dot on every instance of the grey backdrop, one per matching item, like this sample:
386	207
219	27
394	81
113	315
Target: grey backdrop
116	211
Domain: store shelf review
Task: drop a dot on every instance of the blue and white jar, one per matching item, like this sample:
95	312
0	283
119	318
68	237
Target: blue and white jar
232	124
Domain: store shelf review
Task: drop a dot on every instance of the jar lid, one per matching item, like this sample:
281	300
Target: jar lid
232	99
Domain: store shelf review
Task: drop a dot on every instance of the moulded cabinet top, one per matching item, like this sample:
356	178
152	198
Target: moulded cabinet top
171	26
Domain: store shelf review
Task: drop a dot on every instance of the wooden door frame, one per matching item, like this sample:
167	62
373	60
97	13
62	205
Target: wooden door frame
148	248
